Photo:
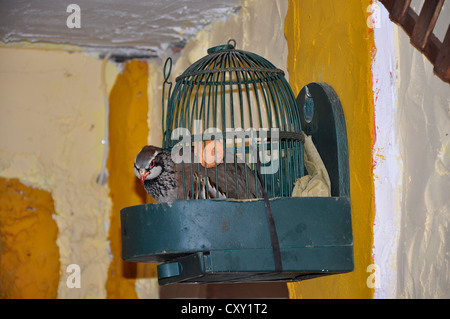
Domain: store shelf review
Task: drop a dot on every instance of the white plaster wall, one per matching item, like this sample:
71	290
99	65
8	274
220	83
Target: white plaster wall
423	258
411	157
386	156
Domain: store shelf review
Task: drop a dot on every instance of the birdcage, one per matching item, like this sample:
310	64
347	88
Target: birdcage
232	117
242	102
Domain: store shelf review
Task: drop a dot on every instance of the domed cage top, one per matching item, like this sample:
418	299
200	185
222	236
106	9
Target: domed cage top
232	117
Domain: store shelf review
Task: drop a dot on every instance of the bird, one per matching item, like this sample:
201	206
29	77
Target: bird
167	180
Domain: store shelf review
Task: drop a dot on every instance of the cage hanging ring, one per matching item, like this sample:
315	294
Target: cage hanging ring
165	73
231	44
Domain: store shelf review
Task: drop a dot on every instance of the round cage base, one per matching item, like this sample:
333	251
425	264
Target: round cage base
214	241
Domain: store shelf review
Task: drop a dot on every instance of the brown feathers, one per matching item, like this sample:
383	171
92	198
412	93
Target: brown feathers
167	181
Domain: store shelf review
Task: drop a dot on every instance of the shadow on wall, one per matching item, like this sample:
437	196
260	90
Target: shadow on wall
226	291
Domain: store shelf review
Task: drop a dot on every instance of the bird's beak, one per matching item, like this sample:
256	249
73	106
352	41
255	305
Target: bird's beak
143	174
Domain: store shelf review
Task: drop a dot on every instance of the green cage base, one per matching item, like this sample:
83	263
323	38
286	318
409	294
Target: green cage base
228	241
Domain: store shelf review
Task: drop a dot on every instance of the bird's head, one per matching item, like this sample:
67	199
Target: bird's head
147	164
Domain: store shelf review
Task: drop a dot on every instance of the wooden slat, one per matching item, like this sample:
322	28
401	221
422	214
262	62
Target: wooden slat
387	4
399	9
432	48
425	23
442	65
409	21
420	30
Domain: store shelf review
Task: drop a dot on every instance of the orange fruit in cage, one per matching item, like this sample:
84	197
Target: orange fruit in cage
210	154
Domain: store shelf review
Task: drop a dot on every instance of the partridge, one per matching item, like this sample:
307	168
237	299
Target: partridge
163	178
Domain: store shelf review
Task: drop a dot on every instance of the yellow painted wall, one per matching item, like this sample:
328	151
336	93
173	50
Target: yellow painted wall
51	136
329	41
128	134
29	256
52	122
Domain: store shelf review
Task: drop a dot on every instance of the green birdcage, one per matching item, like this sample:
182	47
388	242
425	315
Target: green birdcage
241	105
242	100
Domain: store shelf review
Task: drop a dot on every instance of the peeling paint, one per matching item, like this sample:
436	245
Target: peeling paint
387	167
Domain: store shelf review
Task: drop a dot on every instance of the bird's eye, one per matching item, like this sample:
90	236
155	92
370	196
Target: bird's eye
152	164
